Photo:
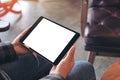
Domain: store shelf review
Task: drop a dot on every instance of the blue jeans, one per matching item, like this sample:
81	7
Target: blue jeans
28	68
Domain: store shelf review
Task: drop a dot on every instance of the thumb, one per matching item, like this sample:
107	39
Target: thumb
70	54
21	34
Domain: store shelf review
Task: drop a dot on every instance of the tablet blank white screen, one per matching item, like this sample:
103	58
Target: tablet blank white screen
49	39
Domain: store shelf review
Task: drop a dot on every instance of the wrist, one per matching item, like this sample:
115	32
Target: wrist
20	49
60	73
57	76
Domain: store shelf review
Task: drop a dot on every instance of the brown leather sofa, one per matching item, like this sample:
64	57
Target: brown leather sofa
102	27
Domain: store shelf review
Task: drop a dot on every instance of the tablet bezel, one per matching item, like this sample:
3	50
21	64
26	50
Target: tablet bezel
62	54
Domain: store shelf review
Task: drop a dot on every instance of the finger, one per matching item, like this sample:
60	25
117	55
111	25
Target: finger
52	69
22	34
70	54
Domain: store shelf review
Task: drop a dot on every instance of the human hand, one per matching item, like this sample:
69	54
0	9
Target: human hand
20	49
65	65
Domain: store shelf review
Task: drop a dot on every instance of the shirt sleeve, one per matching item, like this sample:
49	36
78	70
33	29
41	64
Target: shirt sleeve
52	77
7	53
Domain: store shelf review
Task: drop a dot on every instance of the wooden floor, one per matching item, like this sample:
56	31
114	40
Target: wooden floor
64	12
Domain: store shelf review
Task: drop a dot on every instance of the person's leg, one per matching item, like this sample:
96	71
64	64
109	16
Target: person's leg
27	68
82	71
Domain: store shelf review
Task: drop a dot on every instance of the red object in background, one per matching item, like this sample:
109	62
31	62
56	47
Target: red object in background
8	7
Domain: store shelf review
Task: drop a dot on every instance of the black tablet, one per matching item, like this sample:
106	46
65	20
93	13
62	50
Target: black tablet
49	39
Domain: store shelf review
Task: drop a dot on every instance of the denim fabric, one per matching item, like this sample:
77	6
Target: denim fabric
27	68
82	70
